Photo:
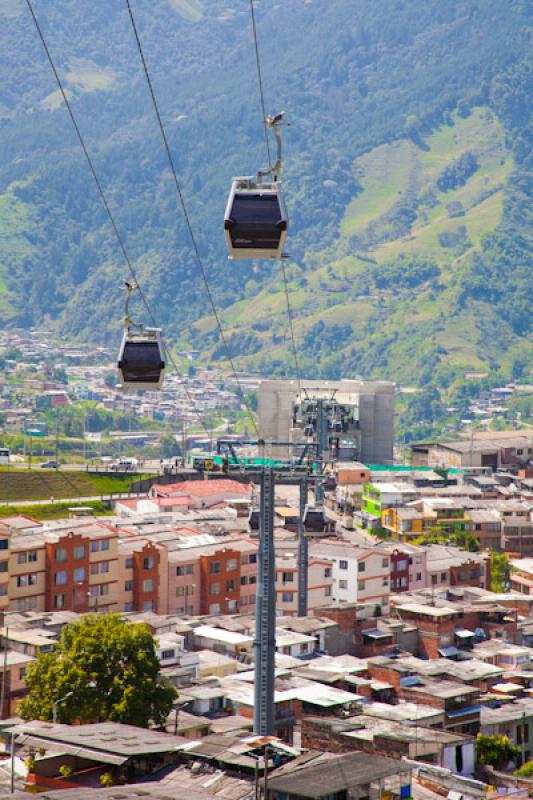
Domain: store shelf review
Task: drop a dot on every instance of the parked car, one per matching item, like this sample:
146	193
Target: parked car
50	465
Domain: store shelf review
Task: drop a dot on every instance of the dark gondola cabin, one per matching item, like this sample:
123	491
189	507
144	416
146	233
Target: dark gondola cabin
140	362
255	220
314	519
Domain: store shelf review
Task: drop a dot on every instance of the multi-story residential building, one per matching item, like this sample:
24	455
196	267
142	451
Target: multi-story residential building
319	584
406	523
486	525
408	567
5	541
27	573
449	566
378	496
359	574
81	568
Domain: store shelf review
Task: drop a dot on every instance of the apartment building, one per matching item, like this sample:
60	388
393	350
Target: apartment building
319	584
5	541
81	569
26	587
359	574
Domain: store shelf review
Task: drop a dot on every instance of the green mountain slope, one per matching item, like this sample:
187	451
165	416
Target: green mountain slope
407	177
390	297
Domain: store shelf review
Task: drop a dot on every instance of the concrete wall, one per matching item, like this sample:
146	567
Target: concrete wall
376	412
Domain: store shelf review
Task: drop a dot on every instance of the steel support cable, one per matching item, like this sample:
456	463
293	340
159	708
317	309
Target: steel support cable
267	144
109	213
260	84
188	223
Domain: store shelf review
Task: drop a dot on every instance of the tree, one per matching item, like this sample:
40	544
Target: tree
111	670
525	771
496	751
500	570
169	447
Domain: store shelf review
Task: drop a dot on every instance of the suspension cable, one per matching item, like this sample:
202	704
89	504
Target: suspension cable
260	85
188	220
267	142
109	213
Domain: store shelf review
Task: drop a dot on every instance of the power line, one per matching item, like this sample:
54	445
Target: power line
109	212
267	143
187	218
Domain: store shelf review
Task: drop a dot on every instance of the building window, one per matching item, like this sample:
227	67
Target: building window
167	654
253	558
287	577
215	588
104	566
93	591
252	579
129	563
327	572
418	576
231	565
94	569
61	554
434	579
95	547
343	564
361	586
230	586
386	581
104	544
128	586
180	591
31	603
214	568
59	601
149	563
187	569
287	597
361	567
32	580
148	605
129	606
79	574
189	590
343	584
32	556
4	565
22	558
104	589
22	580
244	580
60	578
22	672
148	585
4	545
443	577
327	591
214	608
3	589
79	552
384	562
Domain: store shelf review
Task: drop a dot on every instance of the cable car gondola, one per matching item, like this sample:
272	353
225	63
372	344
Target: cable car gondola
314	518
140	362
255	220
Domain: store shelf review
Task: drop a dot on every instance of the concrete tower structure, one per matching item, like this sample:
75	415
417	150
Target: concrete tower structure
374	401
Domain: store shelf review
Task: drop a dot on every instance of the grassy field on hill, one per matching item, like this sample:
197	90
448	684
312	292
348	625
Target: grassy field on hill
385	297
20	485
52	511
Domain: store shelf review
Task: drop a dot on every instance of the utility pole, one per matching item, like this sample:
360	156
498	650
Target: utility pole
303	552
265	611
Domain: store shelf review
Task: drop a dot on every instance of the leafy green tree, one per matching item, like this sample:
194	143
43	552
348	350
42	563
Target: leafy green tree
500	570
496	751
102	669
169	446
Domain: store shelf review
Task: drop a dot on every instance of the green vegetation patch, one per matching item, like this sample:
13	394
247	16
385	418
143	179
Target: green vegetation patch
37	484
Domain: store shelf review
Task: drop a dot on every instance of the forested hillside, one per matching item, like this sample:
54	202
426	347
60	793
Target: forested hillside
407	177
